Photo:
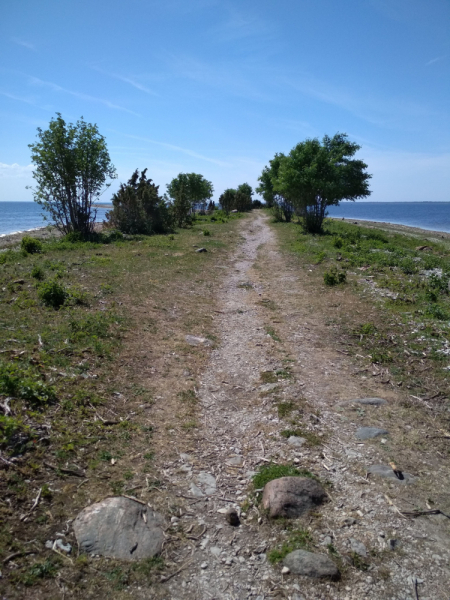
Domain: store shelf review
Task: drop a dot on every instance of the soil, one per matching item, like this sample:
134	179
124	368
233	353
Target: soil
271	321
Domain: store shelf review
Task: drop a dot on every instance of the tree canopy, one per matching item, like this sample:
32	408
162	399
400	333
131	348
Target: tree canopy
187	192
72	165
315	175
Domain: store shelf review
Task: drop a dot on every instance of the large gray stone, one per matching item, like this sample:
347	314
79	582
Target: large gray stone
385	471
370	401
295	440
292	496
206	482
367	433
119	528
306	563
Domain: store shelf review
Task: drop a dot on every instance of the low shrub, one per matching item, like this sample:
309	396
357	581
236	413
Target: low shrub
23	383
38	272
31	245
52	293
334	277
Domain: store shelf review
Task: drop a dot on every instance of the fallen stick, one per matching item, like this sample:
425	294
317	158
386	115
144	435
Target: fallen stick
17	554
422	513
35	503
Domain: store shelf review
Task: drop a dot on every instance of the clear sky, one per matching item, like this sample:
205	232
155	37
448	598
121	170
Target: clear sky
218	87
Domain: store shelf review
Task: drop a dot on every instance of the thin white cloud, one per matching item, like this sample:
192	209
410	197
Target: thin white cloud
130	80
24	43
434	60
177	149
29	101
57	88
15	170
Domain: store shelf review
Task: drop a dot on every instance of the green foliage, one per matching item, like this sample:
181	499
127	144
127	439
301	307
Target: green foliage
72	165
38	272
315	175
300	539
188	192
239	199
25	383
31	245
272	471
10	427
138	208
334	277
206	232
52	293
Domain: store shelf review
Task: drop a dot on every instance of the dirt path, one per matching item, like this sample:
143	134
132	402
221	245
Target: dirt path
269	323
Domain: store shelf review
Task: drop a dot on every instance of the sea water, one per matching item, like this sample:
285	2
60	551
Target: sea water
426	215
26	216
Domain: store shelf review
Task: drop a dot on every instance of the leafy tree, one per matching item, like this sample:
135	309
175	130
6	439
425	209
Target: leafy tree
72	165
317	174
228	199
278	202
138	208
188	191
243	200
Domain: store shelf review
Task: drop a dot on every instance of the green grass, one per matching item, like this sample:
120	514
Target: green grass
272	471
409	292
299	539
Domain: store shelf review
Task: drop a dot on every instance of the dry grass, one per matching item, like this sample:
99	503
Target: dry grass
124	383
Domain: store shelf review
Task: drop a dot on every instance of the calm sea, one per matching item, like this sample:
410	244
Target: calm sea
23	216
427	215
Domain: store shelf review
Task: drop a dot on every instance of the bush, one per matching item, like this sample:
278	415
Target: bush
52	293
337	242
138	208
206	232
334	277
38	272
31	245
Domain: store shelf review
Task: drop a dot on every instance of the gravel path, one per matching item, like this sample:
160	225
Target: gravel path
399	558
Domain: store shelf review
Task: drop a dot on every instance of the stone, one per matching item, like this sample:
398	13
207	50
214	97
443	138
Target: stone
235	461
206	482
232	517
368	433
358	547
296	441
285	570
385	471
196	491
119	528
292	496
193	340
306	563
370	401
202	250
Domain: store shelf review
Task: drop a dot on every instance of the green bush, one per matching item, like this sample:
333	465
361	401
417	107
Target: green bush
337	242
206	232
31	245
334	277
52	293
38	272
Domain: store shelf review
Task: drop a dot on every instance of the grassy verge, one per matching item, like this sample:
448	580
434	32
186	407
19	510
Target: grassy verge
96	378
400	325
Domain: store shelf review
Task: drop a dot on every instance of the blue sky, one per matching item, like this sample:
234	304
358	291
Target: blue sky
217	87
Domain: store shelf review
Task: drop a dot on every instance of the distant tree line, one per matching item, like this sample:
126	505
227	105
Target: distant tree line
72	166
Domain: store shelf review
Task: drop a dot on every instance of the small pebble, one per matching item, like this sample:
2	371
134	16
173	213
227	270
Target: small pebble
285	570
204	566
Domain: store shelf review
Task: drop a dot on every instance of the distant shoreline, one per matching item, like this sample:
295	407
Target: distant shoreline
397	228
